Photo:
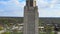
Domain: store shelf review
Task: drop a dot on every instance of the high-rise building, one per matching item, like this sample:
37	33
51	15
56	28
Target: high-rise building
31	18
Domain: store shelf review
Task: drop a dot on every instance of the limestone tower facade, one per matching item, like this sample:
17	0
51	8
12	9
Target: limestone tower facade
31	18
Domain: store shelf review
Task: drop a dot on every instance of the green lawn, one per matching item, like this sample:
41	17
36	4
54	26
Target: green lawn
45	33
22	33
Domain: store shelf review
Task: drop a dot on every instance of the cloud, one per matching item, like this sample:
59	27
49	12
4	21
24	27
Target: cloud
53	3
49	13
48	3
46	8
11	8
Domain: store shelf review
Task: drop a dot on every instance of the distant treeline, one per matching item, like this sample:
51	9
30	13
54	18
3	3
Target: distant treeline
20	20
11	19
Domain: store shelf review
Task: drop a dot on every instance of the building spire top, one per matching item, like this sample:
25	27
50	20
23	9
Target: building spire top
31	3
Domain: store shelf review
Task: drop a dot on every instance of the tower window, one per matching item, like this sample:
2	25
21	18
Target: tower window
31	2
27	3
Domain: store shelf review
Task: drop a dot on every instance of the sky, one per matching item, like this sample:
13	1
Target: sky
15	8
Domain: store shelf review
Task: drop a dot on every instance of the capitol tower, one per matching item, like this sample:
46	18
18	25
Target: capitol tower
31	18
